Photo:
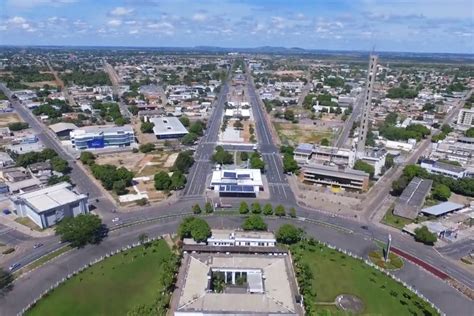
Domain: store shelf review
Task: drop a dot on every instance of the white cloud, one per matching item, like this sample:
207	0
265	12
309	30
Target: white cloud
114	23
199	17
133	32
16	20
121	11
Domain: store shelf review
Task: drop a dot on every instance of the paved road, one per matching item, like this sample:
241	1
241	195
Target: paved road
115	80
346	129
31	285
280	190
458	250
11	237
199	172
47	137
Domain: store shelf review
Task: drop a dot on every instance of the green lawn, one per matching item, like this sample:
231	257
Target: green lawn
394	220
334	273
111	287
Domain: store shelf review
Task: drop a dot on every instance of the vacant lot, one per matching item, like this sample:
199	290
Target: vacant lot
7	118
111	287
334	273
294	134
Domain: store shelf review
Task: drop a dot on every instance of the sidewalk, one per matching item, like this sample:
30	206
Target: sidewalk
9	221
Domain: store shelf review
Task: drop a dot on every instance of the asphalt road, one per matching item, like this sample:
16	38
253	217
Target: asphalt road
280	190
32	284
346	129
458	249
11	237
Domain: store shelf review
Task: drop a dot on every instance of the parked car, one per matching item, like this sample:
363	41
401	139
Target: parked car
6	211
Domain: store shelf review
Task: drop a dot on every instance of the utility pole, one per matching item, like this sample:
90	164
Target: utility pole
364	122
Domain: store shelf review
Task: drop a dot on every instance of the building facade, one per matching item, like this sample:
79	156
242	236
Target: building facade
334	176
98	137
237	182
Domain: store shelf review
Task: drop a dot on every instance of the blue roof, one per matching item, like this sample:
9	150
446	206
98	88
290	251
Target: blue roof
442	208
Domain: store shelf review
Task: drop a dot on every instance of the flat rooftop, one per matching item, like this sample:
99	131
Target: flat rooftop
51	197
442	208
167	125
275	272
226	233
104	129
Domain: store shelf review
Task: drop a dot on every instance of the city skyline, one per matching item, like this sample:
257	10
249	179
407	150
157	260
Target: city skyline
415	26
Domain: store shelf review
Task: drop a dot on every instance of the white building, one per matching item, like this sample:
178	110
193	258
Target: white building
50	205
237	182
97	137
168	127
445	169
466	117
221	237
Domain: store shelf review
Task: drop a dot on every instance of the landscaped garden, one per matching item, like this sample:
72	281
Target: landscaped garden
129	283
324	274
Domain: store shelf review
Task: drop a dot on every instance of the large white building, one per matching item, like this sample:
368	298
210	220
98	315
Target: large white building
222	237
98	137
237	182
168	127
47	206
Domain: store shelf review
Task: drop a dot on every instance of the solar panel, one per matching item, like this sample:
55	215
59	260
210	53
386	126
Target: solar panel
236	188
232	175
243	176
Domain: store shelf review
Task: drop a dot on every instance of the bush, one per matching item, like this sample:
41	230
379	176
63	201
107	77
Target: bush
244	208
280	211
146	148
422	234
87	157
254	222
256	208
142	202
288	234
363	166
18	126
208	207
7	251
292	212
197	209
268	209
147	127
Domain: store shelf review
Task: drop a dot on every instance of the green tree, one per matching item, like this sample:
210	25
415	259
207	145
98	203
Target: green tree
162	181
324	142
289	164
183	162
197	128
197	209
412	171
146	148
363	166
87	157
256	208
470	132
194	227
254	222
18	126
280	210
147	127
60	165
289	115
422	234
208	207
256	162
288	234
80	230
244	208
223	157
268	209
184	120
189	139
244	156
399	185
292	212
178	180
441	192
120	187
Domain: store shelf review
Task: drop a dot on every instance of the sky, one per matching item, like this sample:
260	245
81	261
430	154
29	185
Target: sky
445	26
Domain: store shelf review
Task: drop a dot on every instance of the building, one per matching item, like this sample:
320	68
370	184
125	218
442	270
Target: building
98	137
5	160
444	169
335	176
374	157
442	209
308	153
221	237
466	117
237	285
456	149
412	198
237	182
168	127
47	206
62	129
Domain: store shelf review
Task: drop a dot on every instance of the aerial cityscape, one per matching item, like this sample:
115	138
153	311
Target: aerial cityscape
191	158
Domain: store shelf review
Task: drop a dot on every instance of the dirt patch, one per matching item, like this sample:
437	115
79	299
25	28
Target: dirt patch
131	161
40	84
302	133
149	188
350	303
7	118
170	160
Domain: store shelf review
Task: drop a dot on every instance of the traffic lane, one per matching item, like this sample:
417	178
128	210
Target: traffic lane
24	258
11	237
458	249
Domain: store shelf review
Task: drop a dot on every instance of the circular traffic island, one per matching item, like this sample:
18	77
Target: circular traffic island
394	262
350	303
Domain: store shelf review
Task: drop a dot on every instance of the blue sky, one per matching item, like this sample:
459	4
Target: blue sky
389	25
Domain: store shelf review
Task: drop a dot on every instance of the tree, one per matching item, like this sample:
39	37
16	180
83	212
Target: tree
147	127
441	192
254	222
208	207
422	234
184	120
470	132
289	115
292	212
238	125
146	148
60	165
183	162
256	208
244	156
363	166
268	209
194	227
87	157
162	181
18	126
412	171
289	164
178	180
324	142
399	185
80	230
280	210
244	208
189	139
197	128
288	234
223	157
287	150
120	187
197	209
256	162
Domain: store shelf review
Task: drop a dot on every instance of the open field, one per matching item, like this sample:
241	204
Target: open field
294	134
40	84
334	273
7	118
111	287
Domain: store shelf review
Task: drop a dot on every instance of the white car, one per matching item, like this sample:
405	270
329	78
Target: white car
116	219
